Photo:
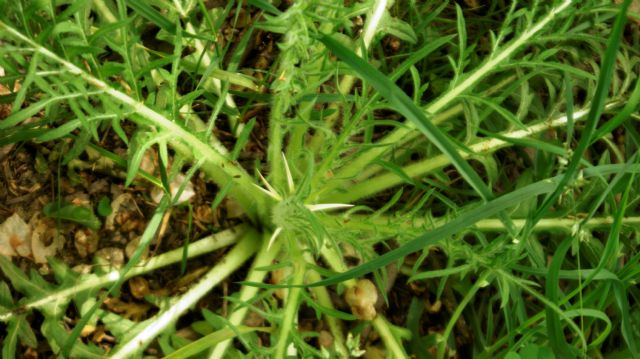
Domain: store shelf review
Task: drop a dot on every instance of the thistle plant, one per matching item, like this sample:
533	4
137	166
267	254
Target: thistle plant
452	180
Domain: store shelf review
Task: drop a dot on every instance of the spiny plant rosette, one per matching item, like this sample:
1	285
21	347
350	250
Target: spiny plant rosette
292	216
443	179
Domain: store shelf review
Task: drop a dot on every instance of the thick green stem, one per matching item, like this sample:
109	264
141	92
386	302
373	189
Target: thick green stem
324	299
276	137
383	327
216	166
232	261
292	305
264	258
391	226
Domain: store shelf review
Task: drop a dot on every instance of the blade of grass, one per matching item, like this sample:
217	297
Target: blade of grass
621	117
145	10
626	326
436	235
597	107
209	340
464	220
403	104
420	169
555	332
500	57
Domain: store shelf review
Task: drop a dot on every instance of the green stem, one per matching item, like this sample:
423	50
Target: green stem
232	261
293	302
324	299
383	327
391	225
264	258
217	166
202	246
101	8
276	136
442	345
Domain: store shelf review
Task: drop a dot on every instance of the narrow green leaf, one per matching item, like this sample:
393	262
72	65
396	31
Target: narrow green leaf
324	310
568	96
626	327
34	108
439	273
10	341
398	28
139	144
185	246
19	280
6	300
211	340
587	312
56	334
555	332
79	145
25	333
243	138
176	69
462	39
59	131
622	115
28	80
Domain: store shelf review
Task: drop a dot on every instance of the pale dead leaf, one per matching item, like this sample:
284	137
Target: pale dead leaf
14	237
174	186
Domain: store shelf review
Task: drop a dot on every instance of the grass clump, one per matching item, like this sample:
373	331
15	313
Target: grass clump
408	179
